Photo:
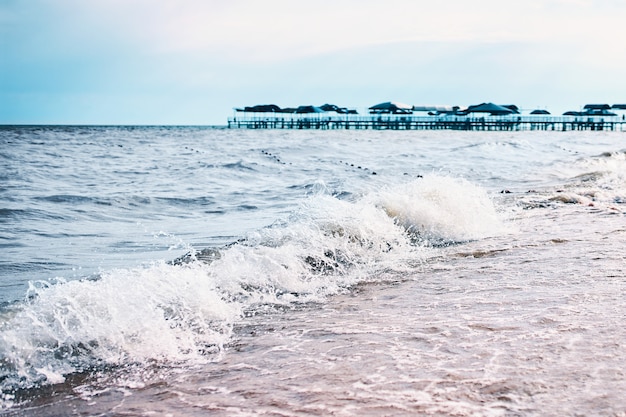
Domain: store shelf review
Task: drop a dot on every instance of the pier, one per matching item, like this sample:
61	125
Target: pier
409	122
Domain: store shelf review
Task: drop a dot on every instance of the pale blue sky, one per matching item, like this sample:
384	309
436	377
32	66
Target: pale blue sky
192	61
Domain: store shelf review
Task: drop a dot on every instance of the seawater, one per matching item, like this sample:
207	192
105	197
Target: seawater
203	271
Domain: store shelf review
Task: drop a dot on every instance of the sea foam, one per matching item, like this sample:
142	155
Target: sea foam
439	210
187	311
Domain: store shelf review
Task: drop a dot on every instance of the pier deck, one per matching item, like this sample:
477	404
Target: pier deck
509	123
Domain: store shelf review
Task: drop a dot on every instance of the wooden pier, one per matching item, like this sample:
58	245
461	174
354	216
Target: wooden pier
494	123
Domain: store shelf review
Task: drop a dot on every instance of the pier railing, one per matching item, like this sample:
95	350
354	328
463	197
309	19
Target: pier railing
410	122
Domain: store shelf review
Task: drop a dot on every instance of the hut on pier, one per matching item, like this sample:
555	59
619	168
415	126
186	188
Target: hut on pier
435	110
491	108
391	107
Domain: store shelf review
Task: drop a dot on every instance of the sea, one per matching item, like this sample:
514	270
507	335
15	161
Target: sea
206	271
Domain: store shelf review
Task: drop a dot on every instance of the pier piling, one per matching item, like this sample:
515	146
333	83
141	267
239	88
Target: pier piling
517	123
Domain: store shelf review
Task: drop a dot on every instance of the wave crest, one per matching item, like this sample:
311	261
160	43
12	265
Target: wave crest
440	210
186	310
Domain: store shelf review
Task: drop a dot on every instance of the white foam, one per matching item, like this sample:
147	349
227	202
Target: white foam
155	313
442	209
594	181
165	312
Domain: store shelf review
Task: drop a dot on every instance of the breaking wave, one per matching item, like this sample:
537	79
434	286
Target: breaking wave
186	310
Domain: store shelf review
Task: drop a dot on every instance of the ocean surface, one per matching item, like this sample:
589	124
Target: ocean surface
194	271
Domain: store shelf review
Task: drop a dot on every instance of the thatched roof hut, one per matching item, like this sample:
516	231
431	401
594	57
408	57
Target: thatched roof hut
391	107
491	108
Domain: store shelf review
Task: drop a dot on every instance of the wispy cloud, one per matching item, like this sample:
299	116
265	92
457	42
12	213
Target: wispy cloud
216	54
275	29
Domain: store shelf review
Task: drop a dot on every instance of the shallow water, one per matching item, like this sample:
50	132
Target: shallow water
374	273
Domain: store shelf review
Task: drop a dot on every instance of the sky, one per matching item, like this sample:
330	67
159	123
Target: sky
187	62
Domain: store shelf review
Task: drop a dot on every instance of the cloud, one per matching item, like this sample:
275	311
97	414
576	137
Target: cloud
254	32
261	31
146	61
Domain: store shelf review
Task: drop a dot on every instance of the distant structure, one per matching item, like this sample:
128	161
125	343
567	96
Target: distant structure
391	107
393	115
593	110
